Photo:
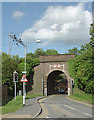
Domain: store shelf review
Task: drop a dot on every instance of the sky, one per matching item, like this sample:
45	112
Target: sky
59	25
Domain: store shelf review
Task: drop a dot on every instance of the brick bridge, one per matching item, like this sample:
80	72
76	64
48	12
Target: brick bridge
47	71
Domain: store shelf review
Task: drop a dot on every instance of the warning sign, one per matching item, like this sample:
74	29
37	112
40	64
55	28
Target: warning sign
24	79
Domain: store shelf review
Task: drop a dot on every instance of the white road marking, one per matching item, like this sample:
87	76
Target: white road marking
69	107
87	114
47	117
77	110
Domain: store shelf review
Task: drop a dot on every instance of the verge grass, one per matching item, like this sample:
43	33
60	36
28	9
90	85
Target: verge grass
28	96
82	96
13	106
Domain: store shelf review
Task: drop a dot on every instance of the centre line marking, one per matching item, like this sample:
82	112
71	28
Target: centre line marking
77	110
87	114
69	107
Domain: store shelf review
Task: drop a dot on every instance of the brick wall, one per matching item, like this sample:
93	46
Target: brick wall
50	58
42	71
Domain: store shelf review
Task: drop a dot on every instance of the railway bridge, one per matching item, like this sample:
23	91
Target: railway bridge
46	72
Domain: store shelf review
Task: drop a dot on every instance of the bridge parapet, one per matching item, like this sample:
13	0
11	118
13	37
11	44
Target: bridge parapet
56	58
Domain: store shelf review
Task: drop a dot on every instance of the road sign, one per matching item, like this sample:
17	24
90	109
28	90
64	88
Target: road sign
24	79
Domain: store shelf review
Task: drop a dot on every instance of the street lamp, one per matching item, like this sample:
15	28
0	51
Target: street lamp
14	38
24	90
38	41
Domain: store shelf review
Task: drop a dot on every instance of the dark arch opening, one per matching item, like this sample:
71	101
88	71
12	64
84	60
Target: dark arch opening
52	87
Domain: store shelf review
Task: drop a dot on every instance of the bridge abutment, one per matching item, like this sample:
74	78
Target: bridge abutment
48	64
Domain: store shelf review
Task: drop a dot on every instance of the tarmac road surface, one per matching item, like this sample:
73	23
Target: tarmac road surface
59	106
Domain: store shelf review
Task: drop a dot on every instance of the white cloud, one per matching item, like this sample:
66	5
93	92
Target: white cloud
68	25
17	14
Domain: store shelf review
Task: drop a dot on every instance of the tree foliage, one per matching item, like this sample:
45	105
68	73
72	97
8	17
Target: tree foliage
81	68
39	52
9	65
73	51
51	52
61	78
14	63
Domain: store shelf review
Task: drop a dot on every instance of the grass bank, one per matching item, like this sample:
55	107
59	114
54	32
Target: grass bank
13	106
82	96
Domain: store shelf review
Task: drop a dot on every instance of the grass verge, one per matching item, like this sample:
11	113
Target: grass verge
82	96
13	106
28	96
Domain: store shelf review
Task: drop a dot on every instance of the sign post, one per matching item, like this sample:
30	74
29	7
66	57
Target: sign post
24	79
15	79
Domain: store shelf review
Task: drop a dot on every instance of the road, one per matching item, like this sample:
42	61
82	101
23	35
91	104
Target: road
59	106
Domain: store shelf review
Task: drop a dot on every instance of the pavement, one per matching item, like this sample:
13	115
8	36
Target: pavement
31	109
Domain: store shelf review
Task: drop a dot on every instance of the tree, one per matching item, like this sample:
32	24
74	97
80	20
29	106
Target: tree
92	35
61	78
51	52
81	68
14	63
16	58
73	51
30	55
9	65
39	52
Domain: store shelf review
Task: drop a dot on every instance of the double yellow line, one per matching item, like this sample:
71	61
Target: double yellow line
45	111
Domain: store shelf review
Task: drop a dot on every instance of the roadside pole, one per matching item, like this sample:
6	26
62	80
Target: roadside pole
23	93
24	89
14	38
15	91
15	79
25	71
24	79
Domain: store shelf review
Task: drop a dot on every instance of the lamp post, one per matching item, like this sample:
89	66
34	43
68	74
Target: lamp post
24	90
14	38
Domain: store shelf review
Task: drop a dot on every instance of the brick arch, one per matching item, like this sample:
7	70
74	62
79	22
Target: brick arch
51	81
47	65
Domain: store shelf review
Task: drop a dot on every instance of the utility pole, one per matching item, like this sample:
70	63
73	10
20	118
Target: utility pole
14	38
9	44
24	90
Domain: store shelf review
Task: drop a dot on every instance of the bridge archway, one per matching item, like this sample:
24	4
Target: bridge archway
53	85
50	67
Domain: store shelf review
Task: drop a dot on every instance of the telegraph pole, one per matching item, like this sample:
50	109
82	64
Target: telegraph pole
9	44
14	38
